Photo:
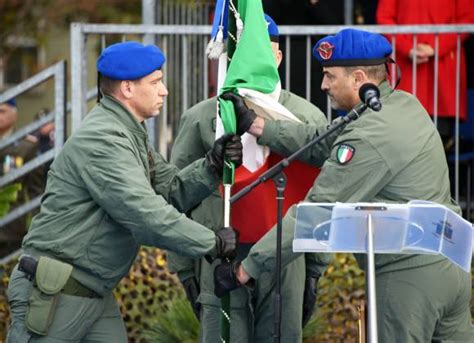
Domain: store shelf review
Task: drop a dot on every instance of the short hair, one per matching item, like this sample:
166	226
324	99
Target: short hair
107	85
377	72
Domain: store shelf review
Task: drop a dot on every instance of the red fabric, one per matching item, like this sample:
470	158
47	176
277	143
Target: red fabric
407	12
255	214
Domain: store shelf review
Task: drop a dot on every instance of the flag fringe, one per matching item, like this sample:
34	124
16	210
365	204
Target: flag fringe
215	47
240	26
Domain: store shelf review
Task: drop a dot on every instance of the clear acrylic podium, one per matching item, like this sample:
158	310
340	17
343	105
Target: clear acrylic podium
418	227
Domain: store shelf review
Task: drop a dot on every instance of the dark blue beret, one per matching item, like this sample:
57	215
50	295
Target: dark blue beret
272	28
352	47
11	102
129	60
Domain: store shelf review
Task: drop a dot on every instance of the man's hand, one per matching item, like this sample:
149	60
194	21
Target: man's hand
192	290
227	241
309	297
228	146
245	116
225	278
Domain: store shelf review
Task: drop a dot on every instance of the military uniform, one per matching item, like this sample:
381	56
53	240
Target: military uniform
100	205
397	156
252	310
14	157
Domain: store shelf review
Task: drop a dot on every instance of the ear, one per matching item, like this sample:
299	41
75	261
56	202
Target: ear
359	77
126	89
278	57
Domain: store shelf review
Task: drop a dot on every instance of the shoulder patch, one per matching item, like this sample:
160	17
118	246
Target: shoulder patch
344	153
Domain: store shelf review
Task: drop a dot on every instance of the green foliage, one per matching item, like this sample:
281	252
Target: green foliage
177	324
34	18
5	271
8	195
340	294
146	292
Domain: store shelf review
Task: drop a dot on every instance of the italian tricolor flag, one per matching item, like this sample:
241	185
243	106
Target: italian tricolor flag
253	74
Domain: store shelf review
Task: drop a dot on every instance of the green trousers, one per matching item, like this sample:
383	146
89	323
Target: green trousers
76	319
425	304
252	310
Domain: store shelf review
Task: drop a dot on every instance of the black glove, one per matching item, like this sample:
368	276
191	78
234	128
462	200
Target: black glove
309	297
245	116
192	289
225	278
228	146
227	241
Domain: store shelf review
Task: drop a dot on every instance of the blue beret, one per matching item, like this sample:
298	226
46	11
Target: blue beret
352	47
129	60
272	28
11	102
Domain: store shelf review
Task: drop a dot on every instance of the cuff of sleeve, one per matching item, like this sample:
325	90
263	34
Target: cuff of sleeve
211	175
269	133
213	252
251	268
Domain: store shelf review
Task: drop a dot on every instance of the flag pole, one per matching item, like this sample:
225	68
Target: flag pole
229	170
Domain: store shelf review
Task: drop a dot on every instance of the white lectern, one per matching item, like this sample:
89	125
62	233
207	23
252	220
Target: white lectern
419	227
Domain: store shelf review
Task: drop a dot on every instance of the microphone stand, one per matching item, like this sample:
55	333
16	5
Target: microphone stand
279	178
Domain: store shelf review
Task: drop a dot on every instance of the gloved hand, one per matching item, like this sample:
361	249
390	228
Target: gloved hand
227	241
309	297
225	278
228	146
192	289
245	116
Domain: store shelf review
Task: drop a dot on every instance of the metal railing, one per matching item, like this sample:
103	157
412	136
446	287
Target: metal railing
58	72
184	81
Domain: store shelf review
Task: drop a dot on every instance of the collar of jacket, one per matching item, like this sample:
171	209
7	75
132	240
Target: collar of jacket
116	107
385	89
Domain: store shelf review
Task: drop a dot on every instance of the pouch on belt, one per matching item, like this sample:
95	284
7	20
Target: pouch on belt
51	276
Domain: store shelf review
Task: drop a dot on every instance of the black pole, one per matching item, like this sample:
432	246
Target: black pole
278	168
280	184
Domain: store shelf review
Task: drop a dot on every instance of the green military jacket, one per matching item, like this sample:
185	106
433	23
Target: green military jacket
196	136
397	156
109	192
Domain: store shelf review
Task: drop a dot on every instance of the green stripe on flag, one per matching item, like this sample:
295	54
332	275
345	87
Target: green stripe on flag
227	112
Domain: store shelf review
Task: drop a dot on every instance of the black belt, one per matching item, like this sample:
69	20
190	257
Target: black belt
28	266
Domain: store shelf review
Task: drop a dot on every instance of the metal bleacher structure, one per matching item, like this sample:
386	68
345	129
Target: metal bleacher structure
182	34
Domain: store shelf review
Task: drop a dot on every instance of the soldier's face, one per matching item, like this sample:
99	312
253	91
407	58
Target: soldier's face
339	85
149	95
8	116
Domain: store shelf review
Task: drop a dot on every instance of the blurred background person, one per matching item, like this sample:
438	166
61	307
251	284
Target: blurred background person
45	133
406	12
12	157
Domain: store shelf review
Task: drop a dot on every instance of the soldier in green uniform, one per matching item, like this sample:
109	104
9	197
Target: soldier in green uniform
109	192
252	310
396	155
14	157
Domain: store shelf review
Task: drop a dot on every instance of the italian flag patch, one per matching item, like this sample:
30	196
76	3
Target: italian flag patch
345	152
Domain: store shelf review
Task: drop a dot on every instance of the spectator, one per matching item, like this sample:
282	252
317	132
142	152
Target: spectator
45	133
403	12
14	157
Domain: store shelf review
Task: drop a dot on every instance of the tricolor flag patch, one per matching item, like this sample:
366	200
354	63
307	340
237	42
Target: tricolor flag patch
344	154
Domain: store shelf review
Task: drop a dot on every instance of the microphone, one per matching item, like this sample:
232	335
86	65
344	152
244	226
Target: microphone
369	94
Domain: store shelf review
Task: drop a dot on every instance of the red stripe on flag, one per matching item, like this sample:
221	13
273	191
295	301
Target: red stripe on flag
255	214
